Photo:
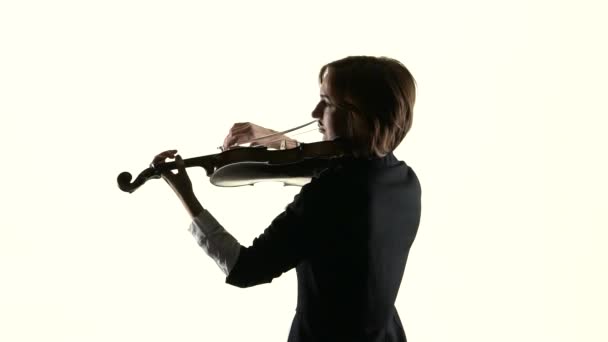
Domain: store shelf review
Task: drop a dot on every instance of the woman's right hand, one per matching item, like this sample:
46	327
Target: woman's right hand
243	132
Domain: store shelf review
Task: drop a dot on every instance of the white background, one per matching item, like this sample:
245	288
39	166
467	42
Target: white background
508	142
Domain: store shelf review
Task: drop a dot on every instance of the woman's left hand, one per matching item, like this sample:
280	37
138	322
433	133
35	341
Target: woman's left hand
179	182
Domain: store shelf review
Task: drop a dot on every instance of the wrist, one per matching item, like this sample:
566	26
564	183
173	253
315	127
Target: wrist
192	204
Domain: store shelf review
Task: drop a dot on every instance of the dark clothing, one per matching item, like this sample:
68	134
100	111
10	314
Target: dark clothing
348	233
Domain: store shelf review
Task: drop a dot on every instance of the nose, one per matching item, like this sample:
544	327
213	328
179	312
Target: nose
317	113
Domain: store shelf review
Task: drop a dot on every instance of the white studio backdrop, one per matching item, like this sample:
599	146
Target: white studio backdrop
508	143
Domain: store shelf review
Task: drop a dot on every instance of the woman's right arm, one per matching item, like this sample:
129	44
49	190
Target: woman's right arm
243	132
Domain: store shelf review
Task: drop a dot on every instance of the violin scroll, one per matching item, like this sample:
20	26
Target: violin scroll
124	179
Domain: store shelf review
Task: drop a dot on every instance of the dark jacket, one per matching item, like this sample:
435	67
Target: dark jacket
348	234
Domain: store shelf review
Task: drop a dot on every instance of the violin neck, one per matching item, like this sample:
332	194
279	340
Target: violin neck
206	162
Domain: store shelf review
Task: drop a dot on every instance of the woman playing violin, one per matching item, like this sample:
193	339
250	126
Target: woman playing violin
349	231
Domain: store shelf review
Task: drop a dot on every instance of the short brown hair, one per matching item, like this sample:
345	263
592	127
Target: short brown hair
378	94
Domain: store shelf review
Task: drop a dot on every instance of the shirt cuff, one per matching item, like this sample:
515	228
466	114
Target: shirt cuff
222	247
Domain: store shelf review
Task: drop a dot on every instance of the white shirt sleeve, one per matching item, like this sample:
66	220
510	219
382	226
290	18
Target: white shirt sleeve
215	241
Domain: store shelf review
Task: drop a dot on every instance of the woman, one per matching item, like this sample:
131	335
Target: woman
349	231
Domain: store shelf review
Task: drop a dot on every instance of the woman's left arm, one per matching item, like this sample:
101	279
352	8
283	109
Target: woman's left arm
220	245
179	182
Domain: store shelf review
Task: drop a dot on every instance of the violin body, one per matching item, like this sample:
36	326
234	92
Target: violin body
249	173
249	165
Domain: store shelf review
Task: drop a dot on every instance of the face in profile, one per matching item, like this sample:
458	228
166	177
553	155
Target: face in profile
332	120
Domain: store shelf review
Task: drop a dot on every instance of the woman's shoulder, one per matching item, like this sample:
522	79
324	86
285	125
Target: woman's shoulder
354	175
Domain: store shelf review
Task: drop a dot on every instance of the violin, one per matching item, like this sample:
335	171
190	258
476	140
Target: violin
249	165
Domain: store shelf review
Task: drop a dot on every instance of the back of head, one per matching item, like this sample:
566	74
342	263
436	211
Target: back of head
378	94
